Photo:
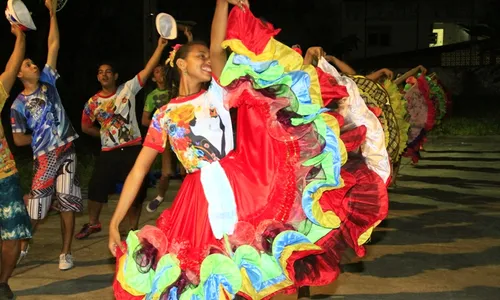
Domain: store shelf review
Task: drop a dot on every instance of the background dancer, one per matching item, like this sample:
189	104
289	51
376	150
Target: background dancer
14	219
114	109
38	108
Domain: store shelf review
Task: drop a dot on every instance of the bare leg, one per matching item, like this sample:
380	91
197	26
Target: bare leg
134	214
304	293
67	230
163	185
395	171
166	171
94	211
24	243
10	253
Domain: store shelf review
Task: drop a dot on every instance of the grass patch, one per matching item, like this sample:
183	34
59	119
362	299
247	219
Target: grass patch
467	126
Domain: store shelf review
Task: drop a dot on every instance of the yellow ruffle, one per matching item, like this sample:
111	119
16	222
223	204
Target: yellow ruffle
121	279
398	104
286	57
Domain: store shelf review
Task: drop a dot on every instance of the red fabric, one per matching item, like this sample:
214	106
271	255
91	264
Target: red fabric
330	89
253	33
366	202
262	173
423	86
377	111
315	278
354	138
335	200
298	50
86	120
339	117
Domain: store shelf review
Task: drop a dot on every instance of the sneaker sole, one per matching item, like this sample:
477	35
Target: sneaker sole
153	210
84	237
150	210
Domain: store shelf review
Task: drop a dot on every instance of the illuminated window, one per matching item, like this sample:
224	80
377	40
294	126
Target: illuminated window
439	37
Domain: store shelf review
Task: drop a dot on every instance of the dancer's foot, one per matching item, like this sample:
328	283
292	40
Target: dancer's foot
5	292
25	247
65	262
87	230
154	204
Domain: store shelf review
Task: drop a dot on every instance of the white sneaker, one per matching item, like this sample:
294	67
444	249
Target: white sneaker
65	262
23	254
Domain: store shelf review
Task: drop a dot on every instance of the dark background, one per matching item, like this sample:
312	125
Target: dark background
99	30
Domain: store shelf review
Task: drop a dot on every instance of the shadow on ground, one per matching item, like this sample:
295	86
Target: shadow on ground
79	285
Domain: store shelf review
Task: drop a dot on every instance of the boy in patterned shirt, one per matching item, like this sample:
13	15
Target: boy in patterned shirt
114	109
14	220
39	119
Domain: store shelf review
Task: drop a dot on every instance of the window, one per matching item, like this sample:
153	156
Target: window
379	36
372	39
385	40
438	38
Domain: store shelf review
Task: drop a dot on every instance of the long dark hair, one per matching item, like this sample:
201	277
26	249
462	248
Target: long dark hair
173	75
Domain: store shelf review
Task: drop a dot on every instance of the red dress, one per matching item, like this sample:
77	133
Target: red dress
249	220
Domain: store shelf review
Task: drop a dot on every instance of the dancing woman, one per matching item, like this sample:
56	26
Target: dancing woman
247	221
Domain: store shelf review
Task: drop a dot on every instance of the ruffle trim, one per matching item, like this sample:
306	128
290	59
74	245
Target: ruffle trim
398	104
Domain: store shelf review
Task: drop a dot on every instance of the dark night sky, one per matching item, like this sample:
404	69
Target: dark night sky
93	31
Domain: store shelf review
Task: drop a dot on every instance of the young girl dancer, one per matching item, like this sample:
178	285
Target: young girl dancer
270	216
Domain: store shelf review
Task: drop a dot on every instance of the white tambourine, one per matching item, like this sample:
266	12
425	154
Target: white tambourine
17	13
166	26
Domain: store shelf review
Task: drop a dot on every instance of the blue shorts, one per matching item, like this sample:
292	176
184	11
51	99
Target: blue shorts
15	223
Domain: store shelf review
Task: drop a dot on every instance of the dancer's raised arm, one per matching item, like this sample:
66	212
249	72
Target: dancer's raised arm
375	76
218	55
410	73
54	41
341	65
8	77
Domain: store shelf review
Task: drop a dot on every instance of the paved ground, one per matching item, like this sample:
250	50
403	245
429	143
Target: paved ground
441	241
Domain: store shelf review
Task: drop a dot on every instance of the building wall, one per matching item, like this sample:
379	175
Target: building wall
389	26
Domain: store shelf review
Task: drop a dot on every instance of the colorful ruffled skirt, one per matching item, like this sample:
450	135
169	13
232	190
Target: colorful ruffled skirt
300	201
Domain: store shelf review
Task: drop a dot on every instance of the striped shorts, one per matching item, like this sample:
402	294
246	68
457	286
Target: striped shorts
55	171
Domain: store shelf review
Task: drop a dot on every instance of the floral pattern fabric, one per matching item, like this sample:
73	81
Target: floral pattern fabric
198	128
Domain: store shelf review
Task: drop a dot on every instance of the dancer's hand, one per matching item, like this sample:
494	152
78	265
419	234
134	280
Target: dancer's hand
240	3
114	240
162	43
16	30
316	52
51	5
388	73
330	58
188	34
422	69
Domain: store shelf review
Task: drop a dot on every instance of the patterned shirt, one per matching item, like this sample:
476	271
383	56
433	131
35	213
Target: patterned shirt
43	113
156	99
116	115
7	164
198	128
